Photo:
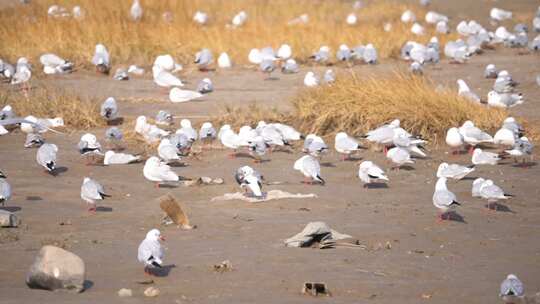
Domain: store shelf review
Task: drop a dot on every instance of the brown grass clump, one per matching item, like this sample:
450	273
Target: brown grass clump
78	113
108	22
356	105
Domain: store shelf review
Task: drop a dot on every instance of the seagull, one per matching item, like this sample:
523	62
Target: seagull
310	168
329	77
239	19
113	158
290	67
207	132
346	145
166	62
156	171
402	140
442	27
453	171
5	189
203	59
287	132
504	83
267	66
187	129
205	86
490	71
164	118
150	252
480	157
408	16
511	288
523	147
200	18
224	61
255	56
136	11
257	147
249	179
465	91
167	151
178	95
399	156
504	100
33	140
351	19
109	109
150	133
370	54
164	78
53	64
88	143
443	198
310	80
473	135
418	29
321	56
284	52
181	142
230	140
7	112
271	134
91	191
314	145
101	59
505	137
498	14
416	68
113	134
23	73
343	53
46	156
384	134
432	17
457	51
368	171
492	193
477	183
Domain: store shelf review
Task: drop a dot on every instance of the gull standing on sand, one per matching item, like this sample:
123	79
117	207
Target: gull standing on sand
384	134
310	168
473	135
465	91
477	183
230	140
504	100
205	86
109	109
156	171
136	11
490	71
5	189
399	156
453	171
480	157
284	52
321	56
443	198
88	143
290	67
522	148
343	53
314	145
207	132
91	191
113	158
346	145
23	73
287	132
203	59
101	59
505	137
454	139
402	140
187	129
46	156
492	193
150	252
257	148
224	61
33	140
329	77
368	171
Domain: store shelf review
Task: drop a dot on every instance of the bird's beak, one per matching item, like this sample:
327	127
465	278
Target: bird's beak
161	237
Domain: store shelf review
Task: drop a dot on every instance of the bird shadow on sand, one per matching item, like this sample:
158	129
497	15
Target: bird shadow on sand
525	165
328	165
469	178
10	208
104	209
498	207
58	171
34	198
353	158
178	164
377	186
272	78
163	271
405	168
169	186
454	217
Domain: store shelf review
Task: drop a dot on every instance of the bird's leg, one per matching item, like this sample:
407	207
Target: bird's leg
156	185
385	149
471	149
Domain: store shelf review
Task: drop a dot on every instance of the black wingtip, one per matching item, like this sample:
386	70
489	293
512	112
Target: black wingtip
321	179
155	264
471	166
455	203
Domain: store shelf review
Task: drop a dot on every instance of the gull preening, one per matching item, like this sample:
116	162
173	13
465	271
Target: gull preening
310	168
250	180
46	157
346	145
101	59
92	191
88	144
368	172
53	64
136	11
109	109
512	289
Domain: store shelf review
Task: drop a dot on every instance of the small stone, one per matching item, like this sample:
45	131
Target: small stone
8	219
55	268
218	181
206	180
151	292
124	292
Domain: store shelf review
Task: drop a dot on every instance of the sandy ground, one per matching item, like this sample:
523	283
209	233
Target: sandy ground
458	261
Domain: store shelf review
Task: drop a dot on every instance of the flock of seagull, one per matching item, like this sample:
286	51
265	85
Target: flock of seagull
397	143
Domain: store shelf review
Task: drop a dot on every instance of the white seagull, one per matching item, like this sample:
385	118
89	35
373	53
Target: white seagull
454	171
310	168
150	252
156	171
368	171
91	191
443	199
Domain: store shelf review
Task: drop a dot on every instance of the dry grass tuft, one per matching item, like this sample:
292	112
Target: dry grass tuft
139	42
356	105
78	113
237	117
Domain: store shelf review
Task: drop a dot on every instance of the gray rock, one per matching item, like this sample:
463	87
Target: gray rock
206	180
55	268
8	219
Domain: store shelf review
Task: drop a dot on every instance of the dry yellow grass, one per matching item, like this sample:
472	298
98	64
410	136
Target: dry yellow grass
356	105
31	32
42	102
